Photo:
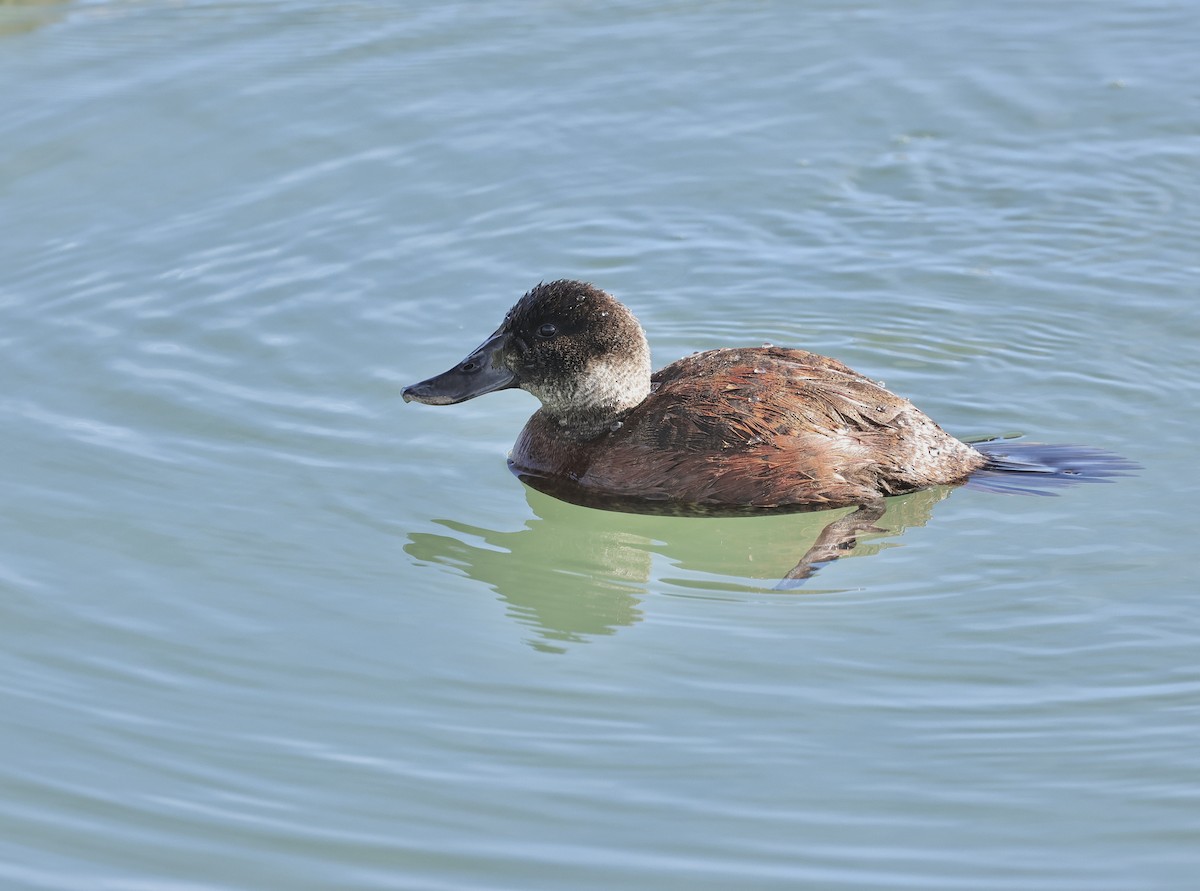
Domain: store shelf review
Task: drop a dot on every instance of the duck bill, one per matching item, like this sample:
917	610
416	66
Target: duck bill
481	372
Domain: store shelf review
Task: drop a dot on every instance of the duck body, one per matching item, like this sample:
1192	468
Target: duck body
749	429
724	431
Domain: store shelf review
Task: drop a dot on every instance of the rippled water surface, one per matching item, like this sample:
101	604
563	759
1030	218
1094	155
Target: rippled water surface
262	625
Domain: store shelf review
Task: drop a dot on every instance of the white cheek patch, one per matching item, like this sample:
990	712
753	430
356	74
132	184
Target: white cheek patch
613	383
608	384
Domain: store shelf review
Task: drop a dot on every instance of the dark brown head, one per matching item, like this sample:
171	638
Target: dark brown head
571	345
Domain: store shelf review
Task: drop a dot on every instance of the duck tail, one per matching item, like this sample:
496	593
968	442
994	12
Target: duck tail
1034	468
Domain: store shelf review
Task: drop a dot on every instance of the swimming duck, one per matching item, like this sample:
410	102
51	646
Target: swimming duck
722	431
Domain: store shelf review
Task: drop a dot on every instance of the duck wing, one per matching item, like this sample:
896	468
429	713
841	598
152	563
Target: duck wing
769	427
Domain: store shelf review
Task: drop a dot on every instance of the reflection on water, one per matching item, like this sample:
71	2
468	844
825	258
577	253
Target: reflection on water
573	572
568	579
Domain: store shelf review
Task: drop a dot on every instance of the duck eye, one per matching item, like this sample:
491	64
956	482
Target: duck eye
547	330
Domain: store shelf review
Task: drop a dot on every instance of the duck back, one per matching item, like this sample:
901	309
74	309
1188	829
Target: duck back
749	429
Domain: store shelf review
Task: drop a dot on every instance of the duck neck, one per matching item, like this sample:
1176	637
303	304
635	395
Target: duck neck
586	425
601	396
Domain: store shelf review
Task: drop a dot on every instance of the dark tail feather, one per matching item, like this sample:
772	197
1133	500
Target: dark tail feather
1033	468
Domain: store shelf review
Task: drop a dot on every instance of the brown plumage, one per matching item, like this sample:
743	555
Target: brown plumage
751	428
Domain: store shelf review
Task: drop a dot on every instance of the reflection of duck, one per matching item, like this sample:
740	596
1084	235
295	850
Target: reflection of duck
725	431
602	564
592	586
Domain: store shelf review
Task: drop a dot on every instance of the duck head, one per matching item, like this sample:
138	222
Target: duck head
573	346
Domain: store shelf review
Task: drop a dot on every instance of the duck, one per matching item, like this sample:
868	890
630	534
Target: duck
725	431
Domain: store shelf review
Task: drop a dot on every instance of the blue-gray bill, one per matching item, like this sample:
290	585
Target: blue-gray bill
481	372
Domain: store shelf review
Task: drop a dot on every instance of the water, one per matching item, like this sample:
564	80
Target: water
265	626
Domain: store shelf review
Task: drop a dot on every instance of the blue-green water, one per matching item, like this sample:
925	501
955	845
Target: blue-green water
264	626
